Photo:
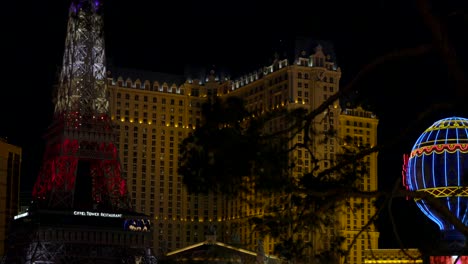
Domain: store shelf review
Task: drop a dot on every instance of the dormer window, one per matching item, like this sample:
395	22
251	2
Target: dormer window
303	62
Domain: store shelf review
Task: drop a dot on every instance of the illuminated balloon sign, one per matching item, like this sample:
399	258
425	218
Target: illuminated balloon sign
438	165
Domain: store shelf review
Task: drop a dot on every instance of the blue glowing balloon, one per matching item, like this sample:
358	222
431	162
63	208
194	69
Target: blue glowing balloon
438	165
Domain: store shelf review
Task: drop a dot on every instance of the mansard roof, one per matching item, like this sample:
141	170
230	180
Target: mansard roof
143	75
295	47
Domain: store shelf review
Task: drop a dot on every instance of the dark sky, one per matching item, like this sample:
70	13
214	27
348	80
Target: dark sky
241	35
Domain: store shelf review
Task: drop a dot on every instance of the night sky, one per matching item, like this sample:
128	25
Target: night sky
242	35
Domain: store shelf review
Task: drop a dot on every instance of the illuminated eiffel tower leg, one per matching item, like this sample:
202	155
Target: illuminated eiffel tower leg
82	133
80	210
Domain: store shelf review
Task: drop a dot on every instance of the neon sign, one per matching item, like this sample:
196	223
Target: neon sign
20	216
143	225
97	214
404	173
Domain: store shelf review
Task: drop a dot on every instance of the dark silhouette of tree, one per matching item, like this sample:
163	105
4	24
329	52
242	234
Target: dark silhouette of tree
232	144
228	147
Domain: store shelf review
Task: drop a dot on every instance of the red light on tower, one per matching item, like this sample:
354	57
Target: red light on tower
404	172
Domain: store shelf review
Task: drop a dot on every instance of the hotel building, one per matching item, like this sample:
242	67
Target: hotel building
154	112
10	169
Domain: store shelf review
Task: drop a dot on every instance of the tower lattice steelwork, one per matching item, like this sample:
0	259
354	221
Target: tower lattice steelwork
80	211
81	138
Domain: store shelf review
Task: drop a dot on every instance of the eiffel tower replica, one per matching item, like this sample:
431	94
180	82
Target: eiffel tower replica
80	211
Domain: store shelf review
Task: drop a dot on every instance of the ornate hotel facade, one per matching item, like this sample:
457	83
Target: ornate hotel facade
154	112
